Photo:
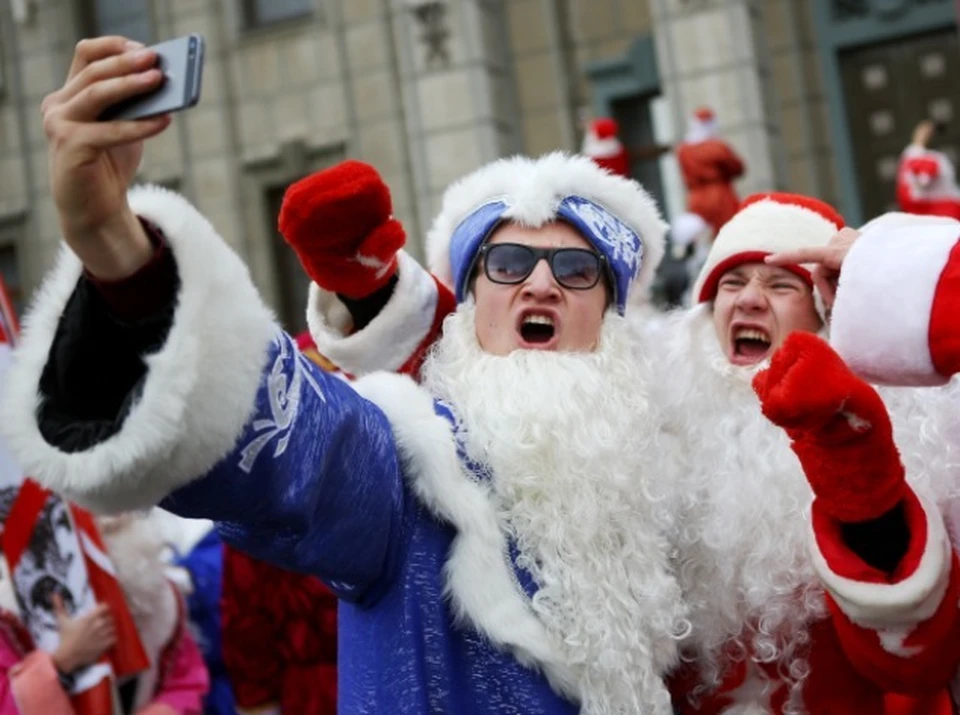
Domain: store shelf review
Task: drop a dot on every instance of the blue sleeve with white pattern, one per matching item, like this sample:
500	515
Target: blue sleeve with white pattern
313	483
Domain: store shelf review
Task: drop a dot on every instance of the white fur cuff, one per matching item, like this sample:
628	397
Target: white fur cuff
200	386
903	604
391	338
881	319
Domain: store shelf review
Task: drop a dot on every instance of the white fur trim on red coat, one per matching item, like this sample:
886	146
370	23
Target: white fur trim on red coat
881	318
391	339
199	389
533	189
479	576
888	607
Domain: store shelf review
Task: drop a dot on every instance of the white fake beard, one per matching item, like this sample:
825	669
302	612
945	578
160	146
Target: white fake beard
745	565
134	545
567	437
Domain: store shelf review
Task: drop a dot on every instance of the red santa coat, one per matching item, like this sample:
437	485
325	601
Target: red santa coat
886	634
709	167
279	637
927	184
891	643
601	142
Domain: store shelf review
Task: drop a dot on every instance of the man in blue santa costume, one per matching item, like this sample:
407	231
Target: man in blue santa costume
777	626
494	536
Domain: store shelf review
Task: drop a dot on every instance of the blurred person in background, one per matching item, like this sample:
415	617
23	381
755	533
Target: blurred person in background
926	178
709	167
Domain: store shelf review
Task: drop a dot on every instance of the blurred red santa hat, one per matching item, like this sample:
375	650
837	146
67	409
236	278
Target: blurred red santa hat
605	128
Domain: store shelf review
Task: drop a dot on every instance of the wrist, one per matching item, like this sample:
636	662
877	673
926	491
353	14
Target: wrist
63	662
114	250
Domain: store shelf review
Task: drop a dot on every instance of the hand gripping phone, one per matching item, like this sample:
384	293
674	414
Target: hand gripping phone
181	61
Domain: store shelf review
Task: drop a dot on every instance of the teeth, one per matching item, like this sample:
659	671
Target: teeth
538	320
751	334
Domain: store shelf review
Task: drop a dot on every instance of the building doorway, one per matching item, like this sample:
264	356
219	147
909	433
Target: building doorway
637	132
889	88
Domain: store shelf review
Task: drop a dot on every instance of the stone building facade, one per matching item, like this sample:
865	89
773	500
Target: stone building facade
814	94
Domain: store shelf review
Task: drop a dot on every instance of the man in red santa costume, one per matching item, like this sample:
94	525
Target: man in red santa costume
709	167
756	595
926	179
766	637
601	142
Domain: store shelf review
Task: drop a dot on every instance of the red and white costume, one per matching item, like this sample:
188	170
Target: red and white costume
927	183
775	619
709	167
907	271
602	144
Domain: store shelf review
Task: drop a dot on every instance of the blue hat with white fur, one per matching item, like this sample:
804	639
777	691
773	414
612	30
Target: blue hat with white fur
615	214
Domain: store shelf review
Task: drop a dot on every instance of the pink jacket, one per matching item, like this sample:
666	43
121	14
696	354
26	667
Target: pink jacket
29	684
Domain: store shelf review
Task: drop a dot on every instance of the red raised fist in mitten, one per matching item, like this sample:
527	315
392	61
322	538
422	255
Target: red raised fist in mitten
839	426
340	223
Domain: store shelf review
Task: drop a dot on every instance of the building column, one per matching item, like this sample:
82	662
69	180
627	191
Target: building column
455	77
712	53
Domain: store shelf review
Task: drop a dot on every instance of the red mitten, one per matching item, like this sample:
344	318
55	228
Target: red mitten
839	426
340	224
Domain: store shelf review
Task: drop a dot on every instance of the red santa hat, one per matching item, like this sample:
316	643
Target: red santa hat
704	114
602	144
765	224
605	128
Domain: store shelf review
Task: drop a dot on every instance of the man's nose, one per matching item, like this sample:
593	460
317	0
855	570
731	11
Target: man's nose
541	284
752	297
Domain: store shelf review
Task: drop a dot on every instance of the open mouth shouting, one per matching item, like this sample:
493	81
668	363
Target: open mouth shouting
750	345
538	329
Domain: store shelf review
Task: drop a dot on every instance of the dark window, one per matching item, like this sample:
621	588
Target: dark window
848	10
130	18
257	13
291	280
636	124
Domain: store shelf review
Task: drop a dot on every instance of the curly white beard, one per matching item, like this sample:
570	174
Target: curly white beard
745	565
569	439
135	545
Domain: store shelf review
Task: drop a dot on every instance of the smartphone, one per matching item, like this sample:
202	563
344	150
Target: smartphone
181	61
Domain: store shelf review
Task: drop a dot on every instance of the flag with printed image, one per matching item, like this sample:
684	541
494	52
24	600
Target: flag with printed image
54	548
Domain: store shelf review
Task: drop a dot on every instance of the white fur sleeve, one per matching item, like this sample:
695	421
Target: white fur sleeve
199	389
881	319
390	339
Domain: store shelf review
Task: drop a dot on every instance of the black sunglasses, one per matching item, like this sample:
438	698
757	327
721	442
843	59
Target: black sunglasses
512	263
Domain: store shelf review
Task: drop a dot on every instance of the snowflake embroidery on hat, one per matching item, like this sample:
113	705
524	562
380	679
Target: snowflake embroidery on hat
283	385
625	246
